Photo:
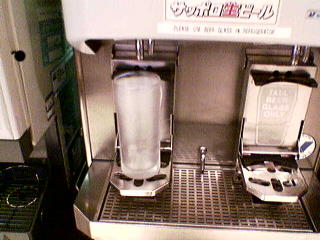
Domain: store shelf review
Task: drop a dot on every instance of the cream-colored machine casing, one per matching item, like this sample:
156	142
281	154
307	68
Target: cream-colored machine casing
25	86
293	22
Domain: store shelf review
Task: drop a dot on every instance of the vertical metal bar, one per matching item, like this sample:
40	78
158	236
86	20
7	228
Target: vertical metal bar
83	108
140	49
295	55
151	47
300	55
317	165
306	55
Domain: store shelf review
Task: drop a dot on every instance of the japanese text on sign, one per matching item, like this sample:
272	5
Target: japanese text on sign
223	11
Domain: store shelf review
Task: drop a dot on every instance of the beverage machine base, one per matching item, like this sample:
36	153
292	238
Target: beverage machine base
196	205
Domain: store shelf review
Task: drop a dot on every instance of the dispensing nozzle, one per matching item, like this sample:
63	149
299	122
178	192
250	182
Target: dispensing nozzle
203	152
140	49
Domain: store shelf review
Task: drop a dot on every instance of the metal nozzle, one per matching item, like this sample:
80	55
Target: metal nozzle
140	49
300	55
150	47
203	152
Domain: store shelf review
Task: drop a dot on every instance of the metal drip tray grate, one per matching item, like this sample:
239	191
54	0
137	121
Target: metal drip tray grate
18	206
211	201
21	189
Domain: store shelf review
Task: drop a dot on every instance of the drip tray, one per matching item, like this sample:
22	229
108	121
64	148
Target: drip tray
211	200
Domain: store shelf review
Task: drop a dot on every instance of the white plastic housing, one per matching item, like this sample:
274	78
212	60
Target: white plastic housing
286	22
24	85
14	120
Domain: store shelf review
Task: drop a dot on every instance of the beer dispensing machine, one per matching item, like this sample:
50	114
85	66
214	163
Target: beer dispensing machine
200	118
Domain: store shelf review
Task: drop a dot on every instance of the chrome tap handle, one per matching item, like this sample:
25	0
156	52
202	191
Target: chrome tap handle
140	49
203	152
300	55
150	47
295	55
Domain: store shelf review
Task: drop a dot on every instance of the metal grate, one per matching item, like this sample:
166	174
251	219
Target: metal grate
17	219
211	201
21	188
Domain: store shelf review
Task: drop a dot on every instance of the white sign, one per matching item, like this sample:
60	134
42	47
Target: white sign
223	30
235	11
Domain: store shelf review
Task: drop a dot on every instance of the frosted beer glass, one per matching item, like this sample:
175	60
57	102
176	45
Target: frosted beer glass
137	101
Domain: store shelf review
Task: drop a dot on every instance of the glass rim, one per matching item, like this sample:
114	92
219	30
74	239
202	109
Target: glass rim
135	73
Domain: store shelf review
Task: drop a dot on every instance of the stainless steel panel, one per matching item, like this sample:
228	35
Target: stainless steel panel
83	107
98	96
312	126
311	198
136	231
209	82
219	139
93	188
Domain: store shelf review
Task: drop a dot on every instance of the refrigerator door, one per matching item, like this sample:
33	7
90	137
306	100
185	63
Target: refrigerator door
36	28
14	120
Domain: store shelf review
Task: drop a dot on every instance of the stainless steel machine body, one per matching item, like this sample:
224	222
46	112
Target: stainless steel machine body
206	198
194	206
